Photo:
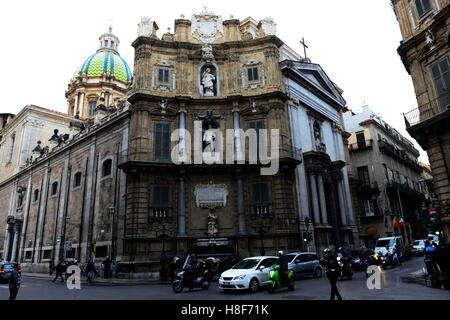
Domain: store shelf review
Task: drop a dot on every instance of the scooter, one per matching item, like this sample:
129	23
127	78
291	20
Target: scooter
344	268
275	282
190	278
388	259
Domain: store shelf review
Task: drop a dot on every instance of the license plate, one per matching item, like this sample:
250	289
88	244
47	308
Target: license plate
227	283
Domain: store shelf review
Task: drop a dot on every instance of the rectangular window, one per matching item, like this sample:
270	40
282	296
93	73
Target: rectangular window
47	254
368	208
161	196
101	251
440	72
363	175
28	255
162	142
361	140
423	6
260	192
92	108
71	253
163	75
253	74
257	125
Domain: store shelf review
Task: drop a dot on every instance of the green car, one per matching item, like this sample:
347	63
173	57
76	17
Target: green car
274	279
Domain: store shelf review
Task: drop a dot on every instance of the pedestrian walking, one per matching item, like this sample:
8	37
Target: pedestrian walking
14	283
90	270
331	265
60	269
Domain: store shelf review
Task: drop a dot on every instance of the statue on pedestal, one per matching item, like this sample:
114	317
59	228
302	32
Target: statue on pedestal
212	225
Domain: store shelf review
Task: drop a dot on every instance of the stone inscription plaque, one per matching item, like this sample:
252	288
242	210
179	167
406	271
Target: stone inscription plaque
211	195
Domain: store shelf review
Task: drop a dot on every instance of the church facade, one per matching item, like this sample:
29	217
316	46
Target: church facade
225	141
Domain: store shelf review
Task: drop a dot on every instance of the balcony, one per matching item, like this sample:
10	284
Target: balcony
399	154
427	111
367	190
360	145
160	214
261	211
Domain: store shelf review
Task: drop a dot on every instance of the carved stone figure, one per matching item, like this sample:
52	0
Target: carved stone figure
429	39
207	82
320	146
212	225
207	52
163	106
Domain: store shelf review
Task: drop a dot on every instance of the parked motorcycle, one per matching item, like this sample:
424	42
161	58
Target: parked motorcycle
345	270
276	283
190	277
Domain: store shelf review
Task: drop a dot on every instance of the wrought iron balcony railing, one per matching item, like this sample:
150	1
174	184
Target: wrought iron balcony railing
427	111
361	145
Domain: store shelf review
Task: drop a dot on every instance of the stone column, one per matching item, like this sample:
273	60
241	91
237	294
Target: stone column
240	205
323	204
181	208
314	198
62	206
237	136
8	239
182	136
75	107
15	241
81	105
25	219
341	203
42	211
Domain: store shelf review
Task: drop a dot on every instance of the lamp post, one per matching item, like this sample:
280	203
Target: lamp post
261	214
164	233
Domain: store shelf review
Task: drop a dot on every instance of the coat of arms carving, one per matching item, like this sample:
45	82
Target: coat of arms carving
206	26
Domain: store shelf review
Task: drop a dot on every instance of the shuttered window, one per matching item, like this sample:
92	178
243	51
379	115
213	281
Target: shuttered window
163	75
257	125
161	196
441	77
363	175
162	142
260	193
423	6
253	74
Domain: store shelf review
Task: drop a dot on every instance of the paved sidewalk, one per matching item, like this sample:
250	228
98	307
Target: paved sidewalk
416	277
101	281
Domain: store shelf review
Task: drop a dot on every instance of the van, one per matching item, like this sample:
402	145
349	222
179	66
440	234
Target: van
380	246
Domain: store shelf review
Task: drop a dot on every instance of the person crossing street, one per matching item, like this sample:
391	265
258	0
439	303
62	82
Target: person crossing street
331	265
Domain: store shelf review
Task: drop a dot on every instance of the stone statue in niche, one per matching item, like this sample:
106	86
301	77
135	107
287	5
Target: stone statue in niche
320	146
212	225
429	39
208	81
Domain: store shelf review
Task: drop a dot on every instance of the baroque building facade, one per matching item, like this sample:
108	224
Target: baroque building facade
386	165
424	25
211	150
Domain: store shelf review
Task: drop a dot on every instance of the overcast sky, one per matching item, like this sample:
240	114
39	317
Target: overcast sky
42	43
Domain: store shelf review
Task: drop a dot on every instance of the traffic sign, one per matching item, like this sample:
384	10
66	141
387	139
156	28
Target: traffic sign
432	211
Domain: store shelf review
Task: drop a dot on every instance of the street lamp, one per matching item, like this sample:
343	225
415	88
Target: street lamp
261	213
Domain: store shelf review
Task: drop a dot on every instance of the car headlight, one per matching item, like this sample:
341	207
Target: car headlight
239	277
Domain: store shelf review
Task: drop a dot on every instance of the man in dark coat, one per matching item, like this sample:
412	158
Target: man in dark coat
331	265
14	283
107	267
60	269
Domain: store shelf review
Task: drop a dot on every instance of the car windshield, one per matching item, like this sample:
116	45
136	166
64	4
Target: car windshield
290	257
247	264
8	267
384	243
417	243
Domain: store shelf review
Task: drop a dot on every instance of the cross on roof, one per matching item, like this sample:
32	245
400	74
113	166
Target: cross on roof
304	46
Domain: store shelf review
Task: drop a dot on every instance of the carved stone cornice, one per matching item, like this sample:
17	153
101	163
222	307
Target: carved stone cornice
316	162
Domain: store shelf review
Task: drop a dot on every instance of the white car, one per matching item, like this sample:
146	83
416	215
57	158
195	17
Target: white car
418	247
248	274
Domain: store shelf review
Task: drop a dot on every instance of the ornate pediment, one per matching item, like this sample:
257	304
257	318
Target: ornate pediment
206	26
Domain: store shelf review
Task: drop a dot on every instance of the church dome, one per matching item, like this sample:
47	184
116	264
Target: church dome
106	61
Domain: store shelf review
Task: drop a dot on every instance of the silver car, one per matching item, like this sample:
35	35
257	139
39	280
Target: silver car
304	264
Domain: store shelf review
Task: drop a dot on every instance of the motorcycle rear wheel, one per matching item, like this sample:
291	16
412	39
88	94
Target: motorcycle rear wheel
205	285
177	287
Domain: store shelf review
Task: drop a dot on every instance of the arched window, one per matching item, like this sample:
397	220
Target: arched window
54	188
77	180
106	168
